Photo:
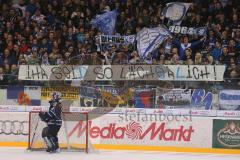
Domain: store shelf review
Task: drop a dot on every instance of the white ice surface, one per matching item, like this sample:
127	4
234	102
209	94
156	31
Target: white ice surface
22	154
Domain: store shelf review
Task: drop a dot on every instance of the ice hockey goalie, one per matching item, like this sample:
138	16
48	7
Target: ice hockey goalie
54	123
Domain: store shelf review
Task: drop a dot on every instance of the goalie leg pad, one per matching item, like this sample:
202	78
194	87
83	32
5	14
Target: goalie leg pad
54	143
56	140
47	139
53	132
48	144
49	135
45	132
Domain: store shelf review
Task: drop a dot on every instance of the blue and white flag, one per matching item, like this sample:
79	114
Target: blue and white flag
148	39
176	11
202	31
105	22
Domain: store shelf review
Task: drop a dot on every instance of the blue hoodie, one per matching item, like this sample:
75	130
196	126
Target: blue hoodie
216	52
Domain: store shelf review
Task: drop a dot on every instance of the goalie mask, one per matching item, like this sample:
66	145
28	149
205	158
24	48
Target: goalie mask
56	99
56	96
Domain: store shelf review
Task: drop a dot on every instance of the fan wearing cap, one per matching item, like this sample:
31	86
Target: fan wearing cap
54	123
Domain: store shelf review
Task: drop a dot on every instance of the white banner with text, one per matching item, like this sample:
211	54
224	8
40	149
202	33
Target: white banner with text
122	72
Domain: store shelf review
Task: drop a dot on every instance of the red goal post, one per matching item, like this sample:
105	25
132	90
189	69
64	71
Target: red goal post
66	142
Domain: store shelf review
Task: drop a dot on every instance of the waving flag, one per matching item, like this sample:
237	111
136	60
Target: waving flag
149	39
105	22
176	11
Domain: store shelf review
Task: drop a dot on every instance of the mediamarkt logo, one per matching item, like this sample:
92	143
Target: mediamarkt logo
134	130
230	135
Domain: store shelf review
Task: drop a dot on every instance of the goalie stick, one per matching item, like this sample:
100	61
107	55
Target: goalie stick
34	133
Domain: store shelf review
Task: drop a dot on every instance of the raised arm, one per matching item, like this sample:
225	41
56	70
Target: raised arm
196	43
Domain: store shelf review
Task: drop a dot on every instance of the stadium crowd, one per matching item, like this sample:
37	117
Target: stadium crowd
52	32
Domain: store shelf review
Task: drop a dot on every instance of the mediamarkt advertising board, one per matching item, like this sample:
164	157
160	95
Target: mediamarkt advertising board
114	129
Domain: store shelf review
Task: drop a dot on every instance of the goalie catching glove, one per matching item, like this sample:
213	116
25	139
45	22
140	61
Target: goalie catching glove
43	117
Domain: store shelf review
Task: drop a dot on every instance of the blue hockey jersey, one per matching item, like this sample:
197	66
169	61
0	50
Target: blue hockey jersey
53	116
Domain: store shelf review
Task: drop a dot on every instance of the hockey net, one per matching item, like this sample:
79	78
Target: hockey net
67	142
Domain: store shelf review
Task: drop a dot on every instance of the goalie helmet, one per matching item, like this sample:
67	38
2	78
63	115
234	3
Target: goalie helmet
56	99
56	96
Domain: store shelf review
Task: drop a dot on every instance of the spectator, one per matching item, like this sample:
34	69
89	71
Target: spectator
31	7
156	55
45	59
134	58
7	58
2	77
216	52
61	33
11	78
38	17
53	57
189	61
33	58
161	60
120	58
198	59
67	56
95	60
211	39
21	60
6	69
188	54
210	60
232	48
23	47
185	44
225	57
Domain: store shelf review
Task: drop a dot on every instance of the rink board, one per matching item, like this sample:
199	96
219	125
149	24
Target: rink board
116	132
